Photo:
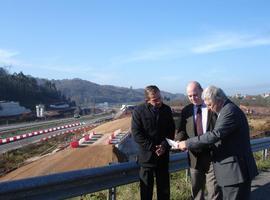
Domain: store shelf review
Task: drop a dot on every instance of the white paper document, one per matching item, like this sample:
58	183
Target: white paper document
172	143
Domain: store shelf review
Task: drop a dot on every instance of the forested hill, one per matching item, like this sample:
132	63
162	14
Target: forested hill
29	91
85	92
26	90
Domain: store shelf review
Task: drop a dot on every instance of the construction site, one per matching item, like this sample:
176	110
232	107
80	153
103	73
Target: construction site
109	142
93	148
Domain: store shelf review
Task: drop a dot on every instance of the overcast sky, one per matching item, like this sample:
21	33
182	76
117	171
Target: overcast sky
136	43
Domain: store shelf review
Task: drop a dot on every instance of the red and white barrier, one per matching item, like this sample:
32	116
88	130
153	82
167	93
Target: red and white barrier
35	133
70	131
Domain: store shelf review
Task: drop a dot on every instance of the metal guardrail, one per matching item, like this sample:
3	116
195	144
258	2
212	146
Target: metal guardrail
76	183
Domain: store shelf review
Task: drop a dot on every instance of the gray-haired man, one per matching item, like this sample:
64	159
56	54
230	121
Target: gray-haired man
234	164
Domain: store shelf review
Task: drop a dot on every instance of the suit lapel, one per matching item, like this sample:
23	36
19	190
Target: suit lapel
209	117
191	122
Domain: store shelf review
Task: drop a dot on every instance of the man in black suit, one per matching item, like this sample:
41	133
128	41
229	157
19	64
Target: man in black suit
152	123
234	164
201	168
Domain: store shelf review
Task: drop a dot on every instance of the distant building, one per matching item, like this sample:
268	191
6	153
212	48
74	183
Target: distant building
103	106
11	108
82	111
124	111
56	110
265	95
238	96
59	106
127	107
61	109
249	97
246	109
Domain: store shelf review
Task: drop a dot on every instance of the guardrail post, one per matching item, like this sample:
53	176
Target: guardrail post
264	154
112	191
187	174
112	194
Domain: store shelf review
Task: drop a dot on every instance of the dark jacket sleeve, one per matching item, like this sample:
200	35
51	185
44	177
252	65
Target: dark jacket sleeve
171	125
138	132
226	124
170	129
181	132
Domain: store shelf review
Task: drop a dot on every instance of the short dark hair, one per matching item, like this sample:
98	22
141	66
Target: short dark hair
150	89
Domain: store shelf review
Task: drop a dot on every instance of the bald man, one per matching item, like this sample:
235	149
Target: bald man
196	120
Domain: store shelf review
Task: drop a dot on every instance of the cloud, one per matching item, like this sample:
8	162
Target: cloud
8	57
230	41
144	55
197	45
151	54
169	50
55	69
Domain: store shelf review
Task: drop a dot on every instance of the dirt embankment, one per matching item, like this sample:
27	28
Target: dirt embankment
109	127
259	126
69	159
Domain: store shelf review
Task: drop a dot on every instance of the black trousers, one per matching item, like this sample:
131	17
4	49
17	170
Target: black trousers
162	182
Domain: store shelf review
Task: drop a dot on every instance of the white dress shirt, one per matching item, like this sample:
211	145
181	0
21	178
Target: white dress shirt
204	115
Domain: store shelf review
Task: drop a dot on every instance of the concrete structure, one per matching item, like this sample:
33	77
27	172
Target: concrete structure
124	111
129	147
265	95
40	109
238	96
11	108
127	107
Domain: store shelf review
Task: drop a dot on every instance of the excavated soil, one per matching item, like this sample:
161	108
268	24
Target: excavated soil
123	124
94	155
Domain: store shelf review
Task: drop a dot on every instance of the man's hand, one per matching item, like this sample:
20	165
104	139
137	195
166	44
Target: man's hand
182	145
160	149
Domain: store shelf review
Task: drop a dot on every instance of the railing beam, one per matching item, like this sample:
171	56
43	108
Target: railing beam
86	181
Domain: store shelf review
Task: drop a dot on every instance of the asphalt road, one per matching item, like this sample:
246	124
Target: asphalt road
12	127
260	187
30	140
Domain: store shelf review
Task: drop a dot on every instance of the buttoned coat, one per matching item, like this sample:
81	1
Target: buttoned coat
149	130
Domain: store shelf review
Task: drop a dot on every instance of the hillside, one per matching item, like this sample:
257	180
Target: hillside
86	92
29	91
26	90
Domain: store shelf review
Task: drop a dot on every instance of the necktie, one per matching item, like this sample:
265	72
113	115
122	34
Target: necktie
198	121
